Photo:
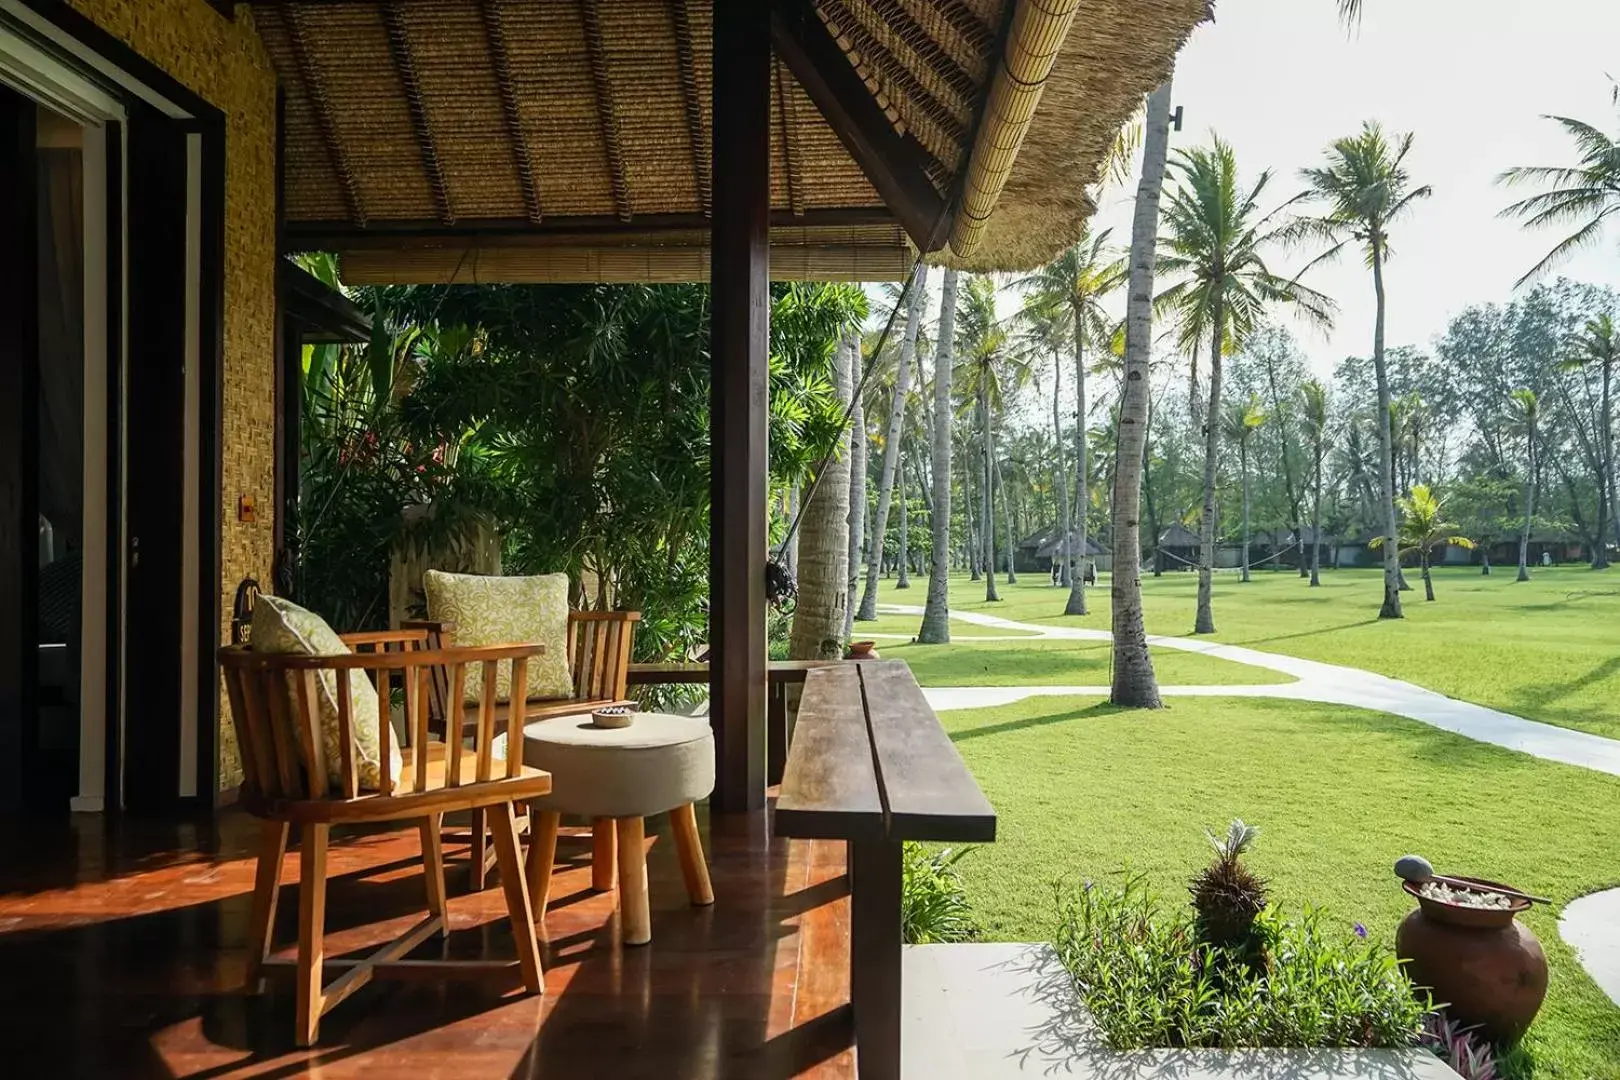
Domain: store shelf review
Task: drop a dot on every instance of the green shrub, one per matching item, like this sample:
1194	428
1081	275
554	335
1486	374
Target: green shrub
933	900
1149	982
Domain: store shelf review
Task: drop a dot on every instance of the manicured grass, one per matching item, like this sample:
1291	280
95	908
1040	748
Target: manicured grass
965	662
1083	791
1547	649
907	625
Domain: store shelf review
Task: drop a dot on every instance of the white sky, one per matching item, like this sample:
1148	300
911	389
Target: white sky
1280	79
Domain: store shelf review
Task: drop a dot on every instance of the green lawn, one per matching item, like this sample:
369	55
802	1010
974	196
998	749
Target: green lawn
907	626
1057	663
1083	791
1547	649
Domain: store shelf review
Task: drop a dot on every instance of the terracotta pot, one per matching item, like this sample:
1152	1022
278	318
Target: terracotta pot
862	650
1482	964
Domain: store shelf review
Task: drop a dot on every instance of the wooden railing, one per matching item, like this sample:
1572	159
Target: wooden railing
871	765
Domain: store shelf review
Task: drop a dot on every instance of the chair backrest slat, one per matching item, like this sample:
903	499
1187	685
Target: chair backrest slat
454	735
346	745
306	714
515	708
246	737
421	678
273	688
484	739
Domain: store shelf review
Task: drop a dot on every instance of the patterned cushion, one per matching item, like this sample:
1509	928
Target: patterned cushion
282	627
506	611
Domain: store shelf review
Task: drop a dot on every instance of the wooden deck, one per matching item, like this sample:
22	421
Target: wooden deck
122	948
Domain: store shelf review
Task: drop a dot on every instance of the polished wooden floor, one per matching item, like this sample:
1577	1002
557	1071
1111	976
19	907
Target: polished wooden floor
122	952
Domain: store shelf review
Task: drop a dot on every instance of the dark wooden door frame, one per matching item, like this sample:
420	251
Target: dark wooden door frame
208	122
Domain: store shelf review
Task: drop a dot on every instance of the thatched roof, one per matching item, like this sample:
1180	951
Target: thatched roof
553	140
1178	536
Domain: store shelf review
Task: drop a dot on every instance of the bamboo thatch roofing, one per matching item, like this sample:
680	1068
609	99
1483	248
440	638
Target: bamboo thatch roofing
553	139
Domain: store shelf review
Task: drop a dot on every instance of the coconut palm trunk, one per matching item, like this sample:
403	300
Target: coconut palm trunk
891	444
1600	551
1134	684
1243	464
1391	608
936	623
857	483
1007	523
903	575
987	518
1529	499
1082	470
1316	519
823	548
1060	481
1205	620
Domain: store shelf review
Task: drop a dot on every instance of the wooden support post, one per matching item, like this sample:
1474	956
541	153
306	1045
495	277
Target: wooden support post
739	332
874	971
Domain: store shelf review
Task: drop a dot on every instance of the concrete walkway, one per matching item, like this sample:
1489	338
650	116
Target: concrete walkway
1590	924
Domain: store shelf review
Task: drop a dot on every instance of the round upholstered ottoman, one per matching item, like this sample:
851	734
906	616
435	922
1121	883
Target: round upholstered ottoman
659	763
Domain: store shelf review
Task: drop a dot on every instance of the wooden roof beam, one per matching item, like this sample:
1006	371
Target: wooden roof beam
315	90
604	107
399	51
896	164
681	23
501	61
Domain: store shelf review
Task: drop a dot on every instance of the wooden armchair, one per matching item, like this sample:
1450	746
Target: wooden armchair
275	706
599	659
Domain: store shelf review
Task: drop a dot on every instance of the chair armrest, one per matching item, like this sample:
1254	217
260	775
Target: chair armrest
436	629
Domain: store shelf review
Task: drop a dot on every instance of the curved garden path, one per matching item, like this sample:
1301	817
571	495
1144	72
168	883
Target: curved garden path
1590	924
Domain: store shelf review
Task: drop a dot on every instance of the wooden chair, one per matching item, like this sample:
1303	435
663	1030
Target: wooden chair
599	659
274	705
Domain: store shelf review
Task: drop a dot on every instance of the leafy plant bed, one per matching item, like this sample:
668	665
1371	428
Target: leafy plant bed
1149	981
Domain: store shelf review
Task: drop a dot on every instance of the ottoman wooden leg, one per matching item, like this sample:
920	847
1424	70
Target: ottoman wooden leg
689	846
542	857
634	916
604	854
479	851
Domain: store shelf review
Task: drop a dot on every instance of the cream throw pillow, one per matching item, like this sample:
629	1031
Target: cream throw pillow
283	628
506	611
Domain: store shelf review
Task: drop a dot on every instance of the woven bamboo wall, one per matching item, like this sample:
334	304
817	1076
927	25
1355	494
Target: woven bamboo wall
224	62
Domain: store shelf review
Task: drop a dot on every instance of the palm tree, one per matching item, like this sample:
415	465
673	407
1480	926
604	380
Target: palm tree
1045	328
1599	346
857	480
936	622
892	440
1313	400
1525	410
1080	280
823	553
1586	194
1241	420
1134	684
991	371
1362	190
1216	236
1423	529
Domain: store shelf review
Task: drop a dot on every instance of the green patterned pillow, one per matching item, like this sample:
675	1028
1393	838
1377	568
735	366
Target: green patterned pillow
506	611
283	628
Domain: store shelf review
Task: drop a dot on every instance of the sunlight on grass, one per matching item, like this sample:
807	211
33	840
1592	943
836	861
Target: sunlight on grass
1083	791
1547	649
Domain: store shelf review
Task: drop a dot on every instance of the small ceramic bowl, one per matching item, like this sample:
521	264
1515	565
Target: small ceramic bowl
614	716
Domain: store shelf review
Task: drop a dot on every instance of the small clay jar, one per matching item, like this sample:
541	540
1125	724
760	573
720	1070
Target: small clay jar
1481	963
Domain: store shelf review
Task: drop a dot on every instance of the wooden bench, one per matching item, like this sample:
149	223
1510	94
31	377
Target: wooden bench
871	765
782	674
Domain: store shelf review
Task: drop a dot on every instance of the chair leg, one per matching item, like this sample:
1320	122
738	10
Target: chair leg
504	825
604	854
432	829
634	916
689	846
266	891
480	852
311	931
542	857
